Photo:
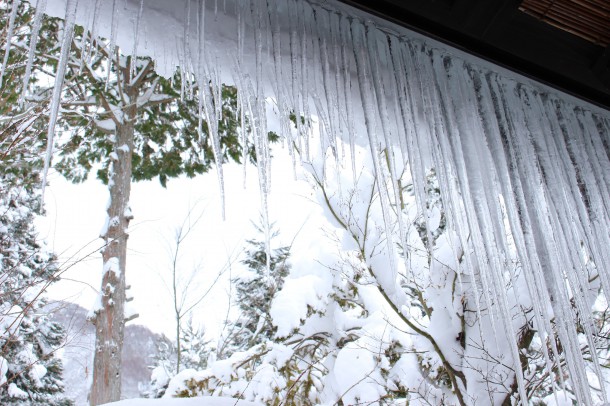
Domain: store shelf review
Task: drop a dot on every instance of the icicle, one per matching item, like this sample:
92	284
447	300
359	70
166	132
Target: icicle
568	230
468	224
209	103
334	23
328	112
112	45
182	72
594	170
58	86
279	83
40	8
570	227
187	36
388	280
496	125
188	69
402	98
201	54
261	149
483	199
537	205
260	132
397	83
431	90
9	37
304	13
451	137
560	213
88	38
540	292
345	35
295	88
240	10
93	31
136	36
375	54
83	54
416	142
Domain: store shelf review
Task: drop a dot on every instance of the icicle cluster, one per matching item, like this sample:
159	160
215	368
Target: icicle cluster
503	147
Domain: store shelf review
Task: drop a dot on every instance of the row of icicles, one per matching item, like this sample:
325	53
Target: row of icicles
503	150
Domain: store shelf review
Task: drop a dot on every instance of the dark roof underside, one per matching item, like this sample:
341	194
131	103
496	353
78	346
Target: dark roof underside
562	43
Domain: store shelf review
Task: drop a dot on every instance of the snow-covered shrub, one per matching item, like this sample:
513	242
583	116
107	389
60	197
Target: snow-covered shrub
31	373
392	309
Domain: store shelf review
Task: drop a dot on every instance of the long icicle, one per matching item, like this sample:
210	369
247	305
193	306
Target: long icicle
9	37
40	8
114	26
134	52
260	132
495	124
58	86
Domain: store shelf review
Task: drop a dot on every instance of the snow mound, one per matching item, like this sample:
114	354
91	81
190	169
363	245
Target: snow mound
202	401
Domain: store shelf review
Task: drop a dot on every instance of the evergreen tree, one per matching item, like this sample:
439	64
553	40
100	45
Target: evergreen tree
163	368
254	292
21	120
195	350
30	372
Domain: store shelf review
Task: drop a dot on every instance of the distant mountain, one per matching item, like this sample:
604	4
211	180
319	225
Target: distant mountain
77	355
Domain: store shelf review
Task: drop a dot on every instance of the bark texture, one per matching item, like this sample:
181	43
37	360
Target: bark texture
110	319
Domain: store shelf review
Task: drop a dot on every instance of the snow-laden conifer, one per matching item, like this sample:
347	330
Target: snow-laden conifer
30	368
255	289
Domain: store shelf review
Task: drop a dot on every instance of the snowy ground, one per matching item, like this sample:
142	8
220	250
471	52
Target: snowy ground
205	401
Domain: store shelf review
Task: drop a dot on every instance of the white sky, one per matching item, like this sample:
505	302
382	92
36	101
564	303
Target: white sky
75	215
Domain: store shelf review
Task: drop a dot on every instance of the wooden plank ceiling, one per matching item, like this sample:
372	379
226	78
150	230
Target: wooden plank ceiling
588	19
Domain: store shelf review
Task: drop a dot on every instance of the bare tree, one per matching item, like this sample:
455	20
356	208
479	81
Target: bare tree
184	291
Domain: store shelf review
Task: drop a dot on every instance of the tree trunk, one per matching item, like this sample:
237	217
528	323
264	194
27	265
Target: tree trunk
110	318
